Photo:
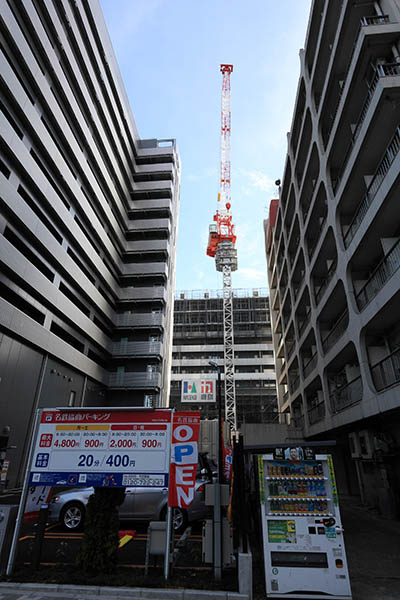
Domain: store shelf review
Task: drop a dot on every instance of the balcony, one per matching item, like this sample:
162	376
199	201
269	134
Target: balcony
136	381
150	268
362	209
316	413
336	332
310	365
143	246
143	293
149	224
364	22
387	372
321	288
294	384
303	324
149	205
382	71
298	421
139	320
382	273
346	396
136	348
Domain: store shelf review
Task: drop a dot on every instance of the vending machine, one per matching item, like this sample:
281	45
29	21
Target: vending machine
304	551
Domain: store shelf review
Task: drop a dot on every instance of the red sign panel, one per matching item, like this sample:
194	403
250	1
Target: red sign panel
184	458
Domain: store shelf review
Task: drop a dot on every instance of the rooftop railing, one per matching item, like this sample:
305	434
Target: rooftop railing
387	372
381	274
390	154
346	396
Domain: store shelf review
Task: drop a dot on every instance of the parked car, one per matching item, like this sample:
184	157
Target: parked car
140	504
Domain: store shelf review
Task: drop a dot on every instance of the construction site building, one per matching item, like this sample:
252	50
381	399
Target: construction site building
199	338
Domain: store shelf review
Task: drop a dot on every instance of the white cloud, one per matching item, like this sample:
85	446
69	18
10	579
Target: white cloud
259	180
254	275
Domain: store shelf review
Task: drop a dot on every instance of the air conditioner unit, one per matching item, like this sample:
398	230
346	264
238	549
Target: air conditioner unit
366	440
354	445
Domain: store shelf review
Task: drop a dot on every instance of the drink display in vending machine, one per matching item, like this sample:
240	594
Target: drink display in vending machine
304	552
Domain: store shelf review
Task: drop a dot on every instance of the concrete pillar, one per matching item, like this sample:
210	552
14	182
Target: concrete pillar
245	573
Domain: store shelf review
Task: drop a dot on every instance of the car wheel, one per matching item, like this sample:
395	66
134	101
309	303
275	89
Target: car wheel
179	519
72	516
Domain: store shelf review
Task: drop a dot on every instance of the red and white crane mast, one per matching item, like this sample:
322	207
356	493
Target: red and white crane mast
221	245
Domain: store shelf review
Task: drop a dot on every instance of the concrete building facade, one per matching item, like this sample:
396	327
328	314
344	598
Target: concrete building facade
333	244
88	225
198	338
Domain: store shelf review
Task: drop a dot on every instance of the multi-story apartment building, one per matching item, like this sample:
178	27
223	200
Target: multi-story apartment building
88	219
199	337
333	245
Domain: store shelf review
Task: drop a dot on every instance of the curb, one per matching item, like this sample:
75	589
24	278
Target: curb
123	592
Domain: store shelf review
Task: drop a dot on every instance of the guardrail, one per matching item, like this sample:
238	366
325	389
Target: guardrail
316	413
389	156
386	372
382	273
336	331
346	396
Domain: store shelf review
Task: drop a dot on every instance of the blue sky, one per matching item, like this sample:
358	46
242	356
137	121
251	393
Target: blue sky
169	52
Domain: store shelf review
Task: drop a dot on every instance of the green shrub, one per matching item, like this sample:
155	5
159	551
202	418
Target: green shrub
99	547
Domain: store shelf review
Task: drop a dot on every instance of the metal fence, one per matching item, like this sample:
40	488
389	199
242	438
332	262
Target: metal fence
383	272
346	396
387	372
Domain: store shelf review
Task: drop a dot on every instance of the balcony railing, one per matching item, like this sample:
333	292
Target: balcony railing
139	320
316	413
319	292
301	327
141	381
298	421
336	331
390	154
310	365
386	70
365	21
136	348
346	396
383	272
375	20
387	372
294	384
143	293
291	350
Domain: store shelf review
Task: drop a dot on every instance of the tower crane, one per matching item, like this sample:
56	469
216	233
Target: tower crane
221	245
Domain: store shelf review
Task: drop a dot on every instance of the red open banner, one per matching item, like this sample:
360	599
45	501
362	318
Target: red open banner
184	458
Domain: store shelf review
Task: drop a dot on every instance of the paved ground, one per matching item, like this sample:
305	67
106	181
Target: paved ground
373	552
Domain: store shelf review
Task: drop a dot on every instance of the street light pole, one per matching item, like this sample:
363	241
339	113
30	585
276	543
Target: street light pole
217	484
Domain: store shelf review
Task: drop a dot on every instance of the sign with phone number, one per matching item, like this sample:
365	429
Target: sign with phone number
102	448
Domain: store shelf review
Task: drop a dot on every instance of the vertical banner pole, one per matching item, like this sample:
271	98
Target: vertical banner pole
24	495
169	511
